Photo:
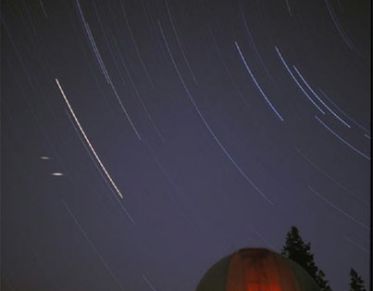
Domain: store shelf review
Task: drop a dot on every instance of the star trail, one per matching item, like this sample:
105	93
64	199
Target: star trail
142	141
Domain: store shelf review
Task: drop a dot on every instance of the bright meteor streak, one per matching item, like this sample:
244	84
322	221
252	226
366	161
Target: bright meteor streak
88	142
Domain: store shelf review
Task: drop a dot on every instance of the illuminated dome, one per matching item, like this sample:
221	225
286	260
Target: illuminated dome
256	270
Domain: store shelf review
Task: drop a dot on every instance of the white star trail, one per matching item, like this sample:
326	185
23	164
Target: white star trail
104	70
331	204
321	171
342	112
339	28
88	141
252	41
342	139
256	82
226	69
333	113
19	57
319	98
137	92
204	121
122	61
90	242
296	81
135	45
103	31
180	43
93	44
365	250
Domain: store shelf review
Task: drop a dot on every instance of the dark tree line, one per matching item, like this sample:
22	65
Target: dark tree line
299	251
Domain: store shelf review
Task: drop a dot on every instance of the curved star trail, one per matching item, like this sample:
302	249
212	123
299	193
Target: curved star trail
203	119
94	248
319	98
209	126
342	139
296	80
331	204
338	26
256	82
343	113
179	42
104	70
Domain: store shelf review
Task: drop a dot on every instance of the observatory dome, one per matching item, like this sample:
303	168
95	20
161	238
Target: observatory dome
256	269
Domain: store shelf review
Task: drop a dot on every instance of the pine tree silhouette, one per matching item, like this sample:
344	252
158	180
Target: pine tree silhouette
356	283
299	251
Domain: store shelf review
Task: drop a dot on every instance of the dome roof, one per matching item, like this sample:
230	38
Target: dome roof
256	269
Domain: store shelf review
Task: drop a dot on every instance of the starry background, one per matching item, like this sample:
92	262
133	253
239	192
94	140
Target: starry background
221	123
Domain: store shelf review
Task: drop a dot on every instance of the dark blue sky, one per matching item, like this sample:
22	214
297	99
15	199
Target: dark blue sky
220	123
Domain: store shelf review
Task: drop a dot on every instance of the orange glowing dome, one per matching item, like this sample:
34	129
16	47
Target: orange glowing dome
256	270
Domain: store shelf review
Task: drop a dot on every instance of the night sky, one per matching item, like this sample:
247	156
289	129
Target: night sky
143	140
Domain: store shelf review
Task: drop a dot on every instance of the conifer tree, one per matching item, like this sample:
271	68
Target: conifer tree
356	283
300	252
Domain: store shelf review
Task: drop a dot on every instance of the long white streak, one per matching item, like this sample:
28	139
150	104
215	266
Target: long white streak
316	167
256	82
342	112
356	245
125	211
319	98
342	140
331	204
204	121
180	43
85	235
88	141
104	70
367	136
296	81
